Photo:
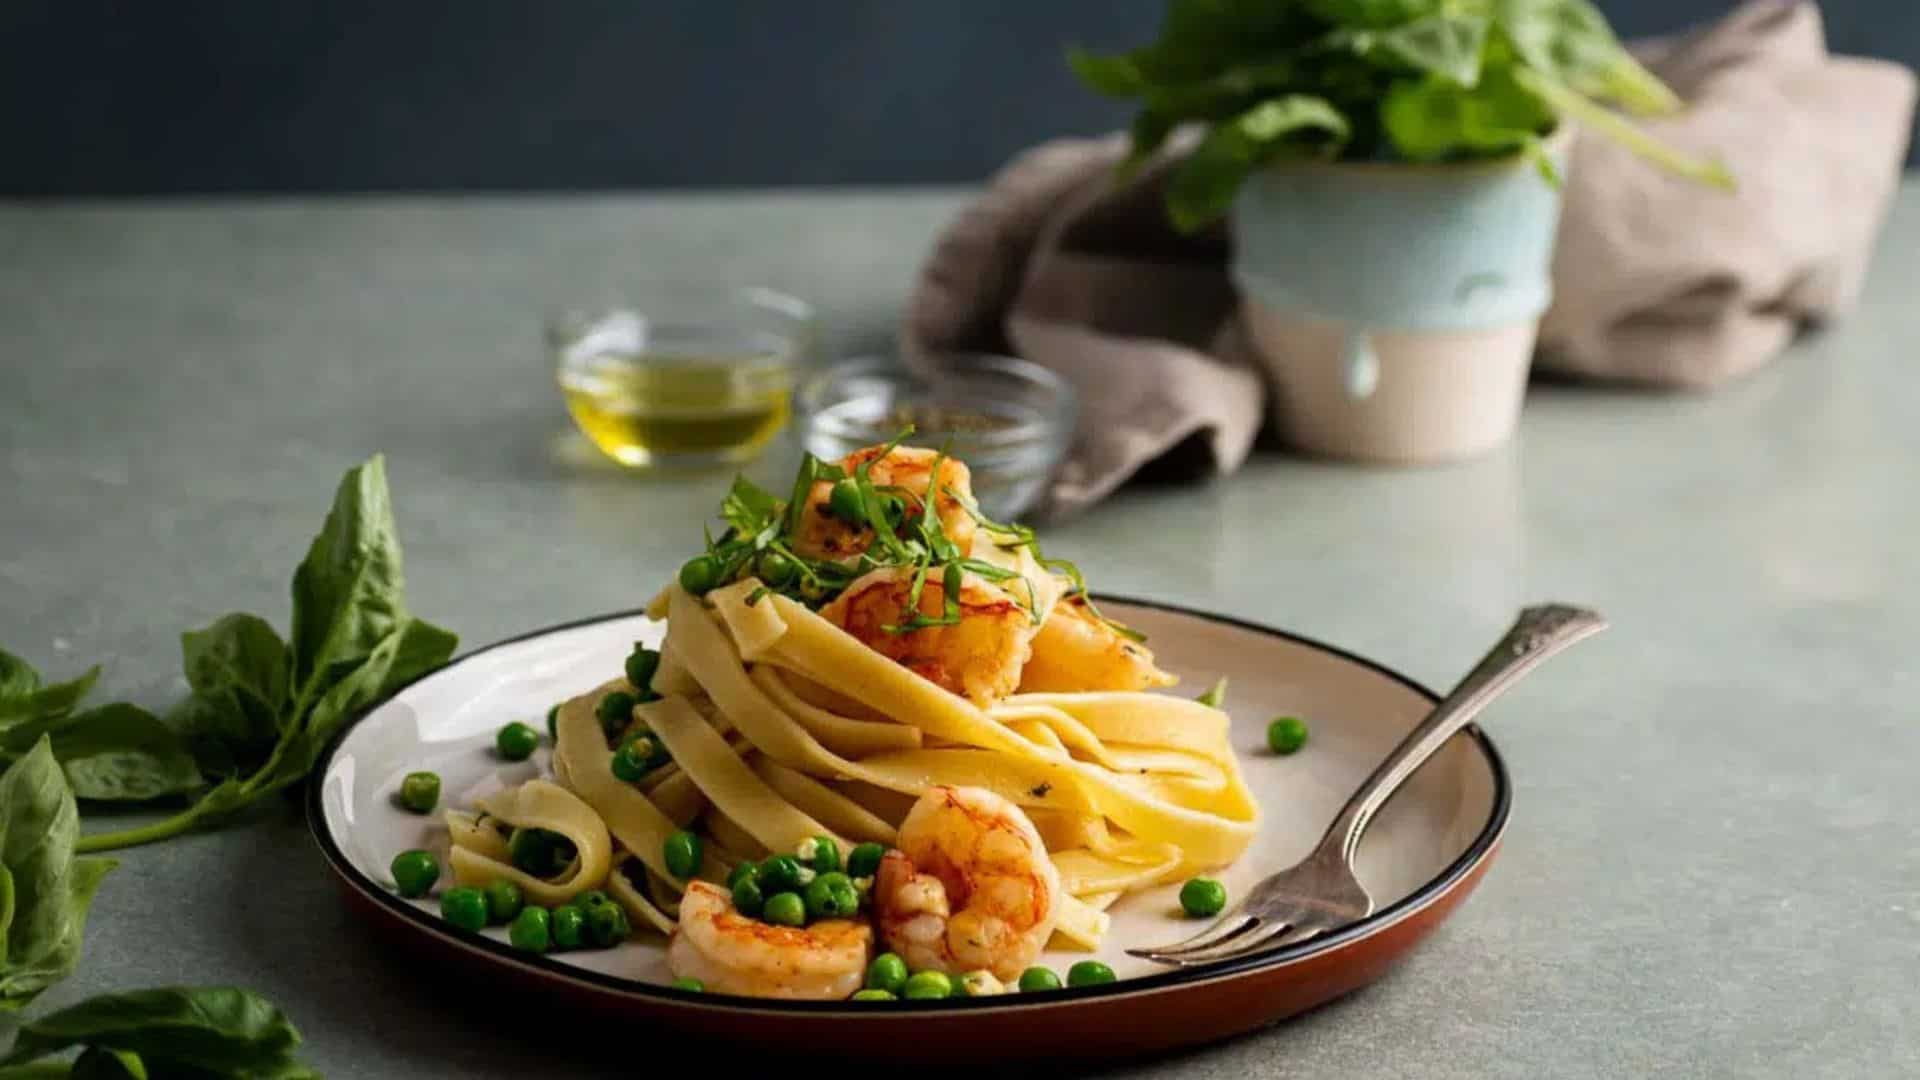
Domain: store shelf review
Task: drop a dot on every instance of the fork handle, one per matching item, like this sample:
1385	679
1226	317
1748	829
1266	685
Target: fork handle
1538	633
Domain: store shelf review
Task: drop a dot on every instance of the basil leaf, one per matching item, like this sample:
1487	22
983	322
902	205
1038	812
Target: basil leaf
17	677
1203	187
422	648
225	1031
748	507
1570	41
239	670
100	1064
45	1070
116	752
124	753
1449	46
1371	14
47	889
347	592
1114	76
46	702
1435	118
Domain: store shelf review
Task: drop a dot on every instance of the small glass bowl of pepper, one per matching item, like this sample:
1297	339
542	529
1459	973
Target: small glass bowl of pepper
1010	420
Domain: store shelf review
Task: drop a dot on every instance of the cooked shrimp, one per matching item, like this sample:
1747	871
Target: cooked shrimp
979	657
1075	651
969	888
734	954
822	536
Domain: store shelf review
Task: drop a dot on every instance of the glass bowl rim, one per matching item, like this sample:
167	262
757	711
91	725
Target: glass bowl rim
1054	425
562	320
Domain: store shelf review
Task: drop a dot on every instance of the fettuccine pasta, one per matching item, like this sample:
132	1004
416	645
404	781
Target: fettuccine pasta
842	671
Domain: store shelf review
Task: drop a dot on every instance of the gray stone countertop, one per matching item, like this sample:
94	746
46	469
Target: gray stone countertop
1711	869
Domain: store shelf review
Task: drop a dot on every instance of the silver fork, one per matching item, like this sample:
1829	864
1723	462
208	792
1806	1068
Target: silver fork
1320	892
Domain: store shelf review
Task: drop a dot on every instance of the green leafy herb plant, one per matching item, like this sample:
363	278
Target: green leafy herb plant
1376	80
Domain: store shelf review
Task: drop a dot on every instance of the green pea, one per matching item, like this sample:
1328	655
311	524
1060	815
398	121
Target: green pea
590	899
607	925
415	872
872	995
831	896
635	758
465	907
1203	897
516	741
742	872
785	909
642	662
615	712
747	897
683	853
1038	978
864	859
887	972
846	502
776	569
820	853
569	927
553	723
531	930
781	873
540	852
928	986
1286	734
691	986
1089	973
700	574
420	791
503	900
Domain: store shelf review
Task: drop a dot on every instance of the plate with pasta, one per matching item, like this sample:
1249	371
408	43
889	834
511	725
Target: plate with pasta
874	755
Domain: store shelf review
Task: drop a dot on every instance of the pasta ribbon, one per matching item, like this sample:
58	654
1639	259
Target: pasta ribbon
536	804
782	727
581	755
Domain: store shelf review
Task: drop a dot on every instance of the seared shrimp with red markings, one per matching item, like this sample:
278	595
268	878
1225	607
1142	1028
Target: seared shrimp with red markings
1074	651
733	954
909	469
969	888
979	657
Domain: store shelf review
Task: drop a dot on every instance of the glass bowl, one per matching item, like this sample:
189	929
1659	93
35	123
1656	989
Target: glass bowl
1009	419
686	376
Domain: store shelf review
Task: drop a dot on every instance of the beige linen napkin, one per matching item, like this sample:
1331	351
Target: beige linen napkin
1656	280
1057	265
1665	283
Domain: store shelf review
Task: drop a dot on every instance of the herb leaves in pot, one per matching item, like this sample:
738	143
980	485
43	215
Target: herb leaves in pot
1370	80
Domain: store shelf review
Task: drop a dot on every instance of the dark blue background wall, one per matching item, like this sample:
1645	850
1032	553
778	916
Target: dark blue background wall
253	95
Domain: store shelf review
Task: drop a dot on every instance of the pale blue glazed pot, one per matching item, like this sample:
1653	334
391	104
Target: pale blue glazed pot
1394	305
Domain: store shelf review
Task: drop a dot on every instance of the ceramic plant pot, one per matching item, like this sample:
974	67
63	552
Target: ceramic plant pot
1394	306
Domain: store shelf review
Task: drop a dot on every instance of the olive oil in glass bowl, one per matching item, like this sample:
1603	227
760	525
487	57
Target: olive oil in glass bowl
687	381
